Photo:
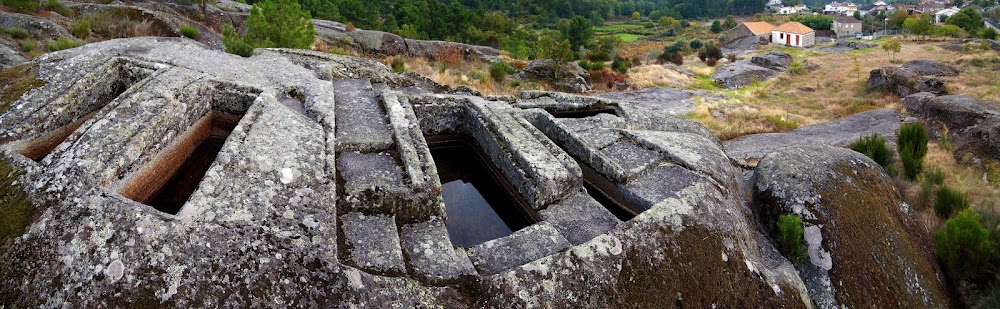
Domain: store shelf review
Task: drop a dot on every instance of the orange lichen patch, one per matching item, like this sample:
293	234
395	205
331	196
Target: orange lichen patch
155	174
36	149
878	249
692	274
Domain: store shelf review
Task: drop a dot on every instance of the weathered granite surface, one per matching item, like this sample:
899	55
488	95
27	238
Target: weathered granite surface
325	192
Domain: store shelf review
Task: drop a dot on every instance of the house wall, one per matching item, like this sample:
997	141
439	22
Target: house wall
805	40
738	32
846	29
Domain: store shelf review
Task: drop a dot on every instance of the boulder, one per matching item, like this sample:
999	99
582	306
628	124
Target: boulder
670	100
10	57
38	27
749	149
569	77
775	60
854	44
903	82
741	73
931	68
864	247
973	124
741	45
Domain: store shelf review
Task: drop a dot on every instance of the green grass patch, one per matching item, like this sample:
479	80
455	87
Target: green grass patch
63	43
189	32
16	210
629	37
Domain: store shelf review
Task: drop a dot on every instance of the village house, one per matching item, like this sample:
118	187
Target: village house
793	34
759	29
774	4
840	8
845	26
943	15
785	10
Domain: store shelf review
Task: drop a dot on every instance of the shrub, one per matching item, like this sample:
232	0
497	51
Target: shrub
349	27
499	71
81	28
398	64
934	176
695	44
874	147
449	54
189	32
963	246
912	143
713	51
731	57
948	201
620	65
702	55
22	6
711	62
677	59
18	33
63	43
28	45
272	23
716	27
790	232
234	43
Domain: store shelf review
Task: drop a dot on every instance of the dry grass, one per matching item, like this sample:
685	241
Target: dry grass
474	74
655	75
836	87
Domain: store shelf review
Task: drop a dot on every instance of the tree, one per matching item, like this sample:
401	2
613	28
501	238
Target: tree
989	34
578	31
968	19
716	27
636	15
919	26
279	23
857	15
730	23
892	47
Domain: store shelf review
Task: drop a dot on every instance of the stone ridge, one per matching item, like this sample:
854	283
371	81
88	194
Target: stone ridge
324	192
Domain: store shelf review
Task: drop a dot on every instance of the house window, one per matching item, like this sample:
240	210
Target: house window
782	36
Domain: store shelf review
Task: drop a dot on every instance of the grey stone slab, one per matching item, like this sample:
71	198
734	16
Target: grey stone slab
521	247
361	122
431	255
369	171
660	183
372	243
632	158
579	218
599	138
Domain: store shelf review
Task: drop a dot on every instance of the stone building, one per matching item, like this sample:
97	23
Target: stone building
845	26
759	29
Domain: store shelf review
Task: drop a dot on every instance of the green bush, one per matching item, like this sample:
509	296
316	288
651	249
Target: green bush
81	28
22	6
18	33
272	23
695	44
398	64
934	176
912	143
63	43
963	246
189	32
234	43
620	65
499	71
874	147
948	201
790	232
28	45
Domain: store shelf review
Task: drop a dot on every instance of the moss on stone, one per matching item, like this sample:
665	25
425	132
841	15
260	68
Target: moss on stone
15	81
16	209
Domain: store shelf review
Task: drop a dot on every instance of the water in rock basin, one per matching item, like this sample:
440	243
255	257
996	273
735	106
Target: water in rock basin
479	208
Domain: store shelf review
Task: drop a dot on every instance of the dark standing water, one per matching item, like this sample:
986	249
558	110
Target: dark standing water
582	113
479	207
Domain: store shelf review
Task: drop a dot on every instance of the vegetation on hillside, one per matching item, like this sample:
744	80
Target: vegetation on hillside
272	23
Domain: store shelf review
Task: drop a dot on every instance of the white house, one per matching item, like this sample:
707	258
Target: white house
942	15
774	4
793	34
840	8
785	10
